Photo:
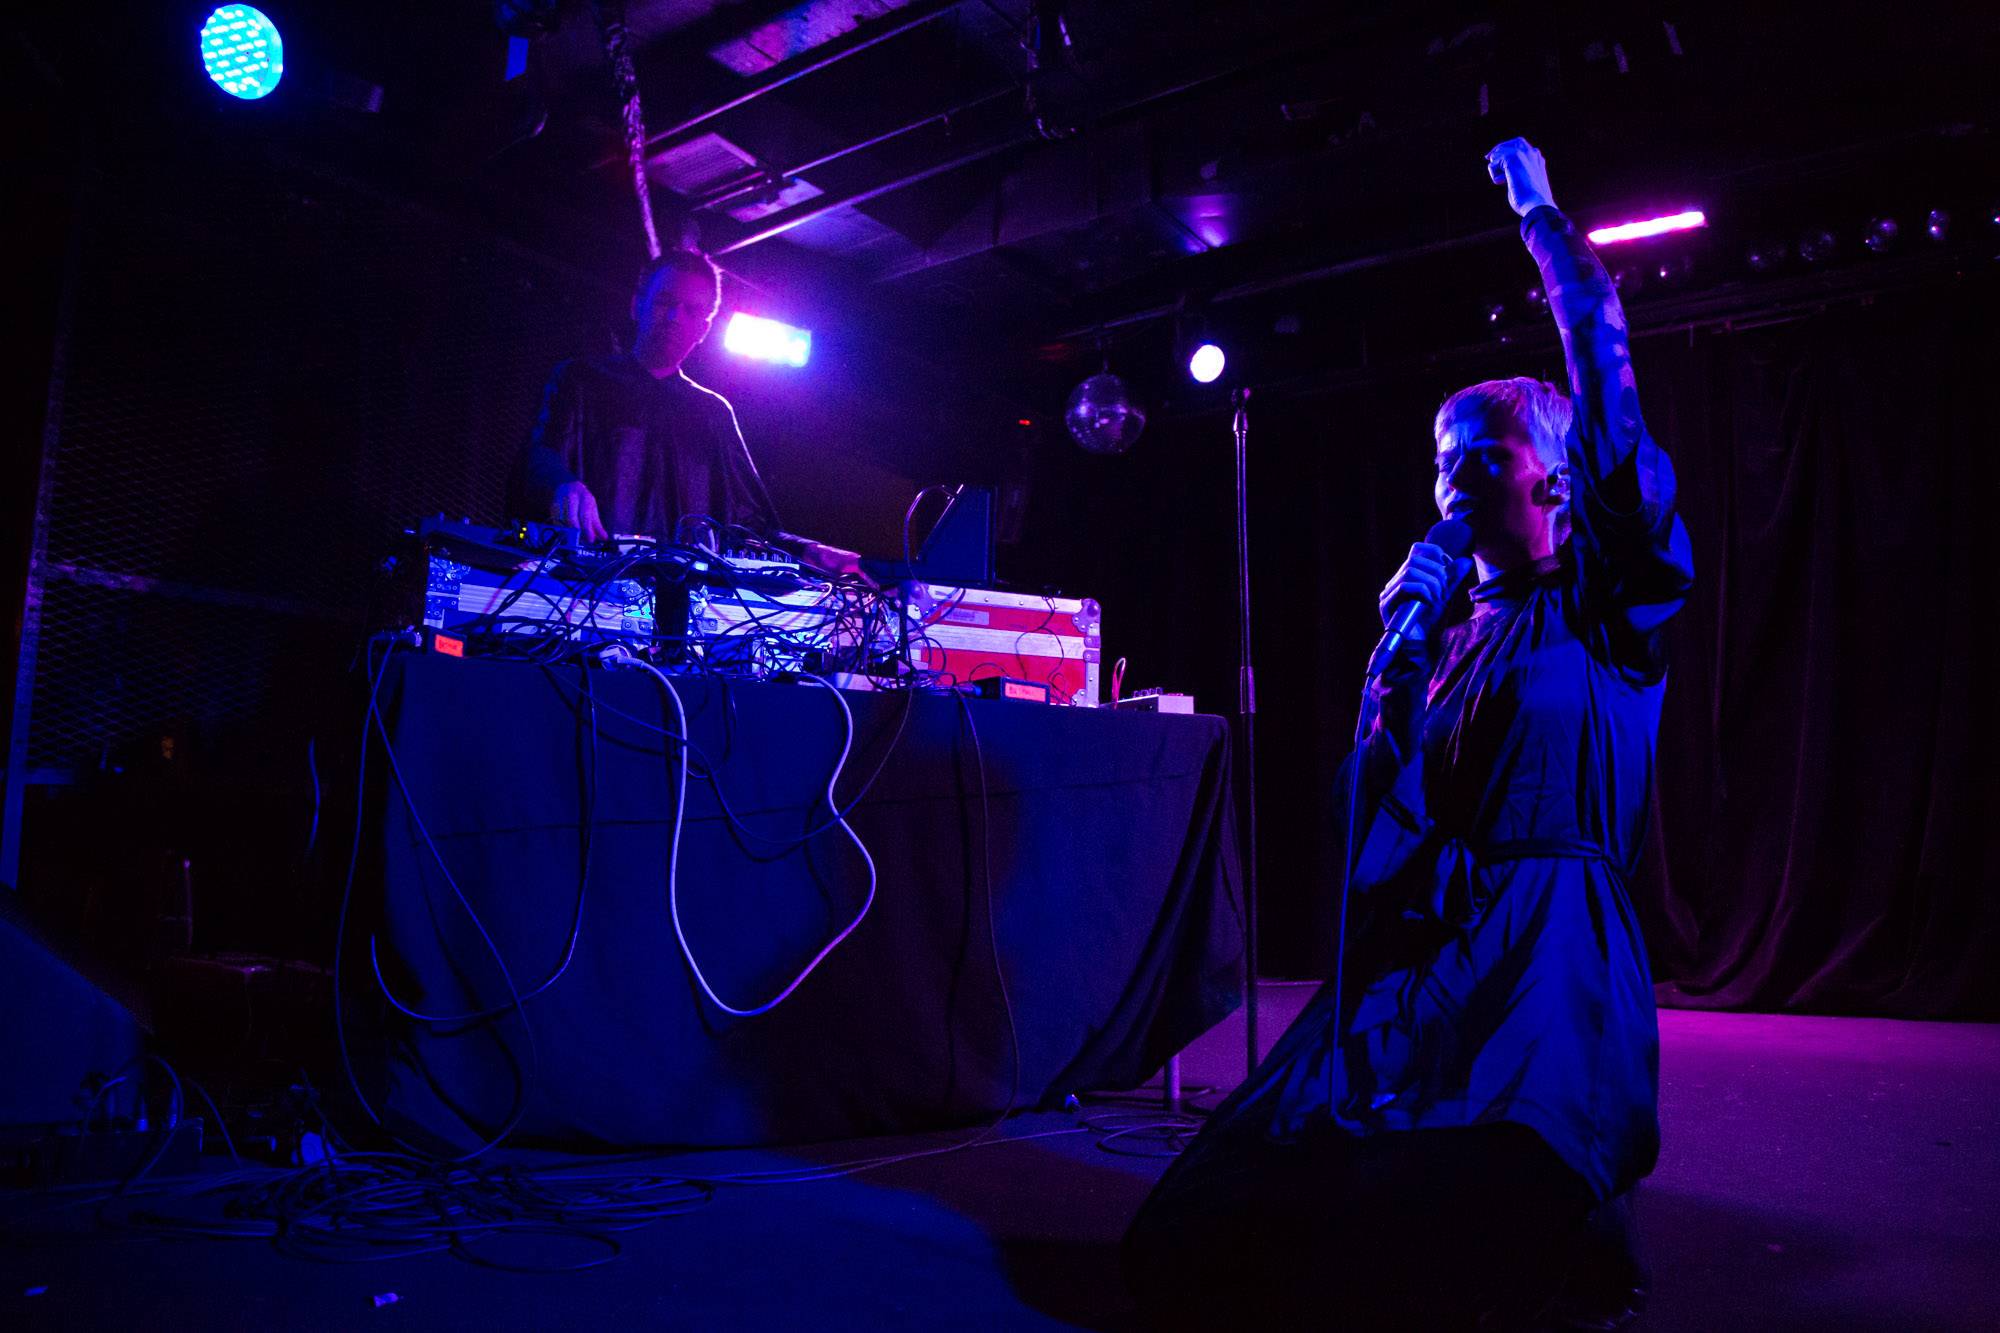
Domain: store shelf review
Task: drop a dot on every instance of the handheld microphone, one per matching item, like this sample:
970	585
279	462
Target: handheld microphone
1413	618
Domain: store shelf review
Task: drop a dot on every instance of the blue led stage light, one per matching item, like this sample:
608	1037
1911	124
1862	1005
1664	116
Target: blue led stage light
242	51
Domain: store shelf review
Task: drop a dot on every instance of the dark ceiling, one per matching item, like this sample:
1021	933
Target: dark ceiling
1010	186
931	163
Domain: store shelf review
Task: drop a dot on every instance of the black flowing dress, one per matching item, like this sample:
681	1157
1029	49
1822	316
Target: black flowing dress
1495	971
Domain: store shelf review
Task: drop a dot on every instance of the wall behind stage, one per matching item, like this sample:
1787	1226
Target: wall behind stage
1823	837
268	371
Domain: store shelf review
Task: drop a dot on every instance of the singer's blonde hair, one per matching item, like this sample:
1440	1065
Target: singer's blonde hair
1543	410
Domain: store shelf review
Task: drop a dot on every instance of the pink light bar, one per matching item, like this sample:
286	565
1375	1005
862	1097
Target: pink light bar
1632	231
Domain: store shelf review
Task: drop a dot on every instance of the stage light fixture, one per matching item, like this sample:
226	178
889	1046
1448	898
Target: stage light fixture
1817	245
1883	233
762	339
242	51
1766	255
1633	231
1938	224
1206	363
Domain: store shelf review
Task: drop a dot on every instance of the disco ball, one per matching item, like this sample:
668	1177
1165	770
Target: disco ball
1103	416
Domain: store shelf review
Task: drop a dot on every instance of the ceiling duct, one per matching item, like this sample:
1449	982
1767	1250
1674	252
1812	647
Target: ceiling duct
797	31
710	164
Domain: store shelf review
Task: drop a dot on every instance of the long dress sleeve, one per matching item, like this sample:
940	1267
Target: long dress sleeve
1634	567
553	454
1393	829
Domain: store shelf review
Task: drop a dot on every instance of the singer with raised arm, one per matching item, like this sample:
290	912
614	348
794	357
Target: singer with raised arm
1446	1136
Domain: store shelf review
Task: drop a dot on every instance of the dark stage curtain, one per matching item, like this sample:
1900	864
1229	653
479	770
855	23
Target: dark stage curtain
1825	824
1102	842
1826	816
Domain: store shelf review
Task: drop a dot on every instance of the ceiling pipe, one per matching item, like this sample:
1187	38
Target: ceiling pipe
763	180
861	39
800	217
1744	179
1279	282
1270	61
820	208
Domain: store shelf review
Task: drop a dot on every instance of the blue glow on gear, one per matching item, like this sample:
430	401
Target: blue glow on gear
242	52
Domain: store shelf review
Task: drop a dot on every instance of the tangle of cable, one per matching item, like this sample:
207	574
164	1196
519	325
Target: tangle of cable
674	848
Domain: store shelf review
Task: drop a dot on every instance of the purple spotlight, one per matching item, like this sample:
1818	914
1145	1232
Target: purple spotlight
1633	231
1206	363
763	339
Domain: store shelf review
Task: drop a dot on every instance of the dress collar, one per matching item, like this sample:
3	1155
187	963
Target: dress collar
1513	585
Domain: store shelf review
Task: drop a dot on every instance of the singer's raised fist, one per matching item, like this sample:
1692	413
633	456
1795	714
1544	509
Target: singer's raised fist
1427	576
1519	165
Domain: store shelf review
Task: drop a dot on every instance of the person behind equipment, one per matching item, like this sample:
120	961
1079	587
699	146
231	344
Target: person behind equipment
1446	1140
629	444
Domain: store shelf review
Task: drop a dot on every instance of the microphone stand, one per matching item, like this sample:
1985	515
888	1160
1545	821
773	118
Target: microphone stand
1246	725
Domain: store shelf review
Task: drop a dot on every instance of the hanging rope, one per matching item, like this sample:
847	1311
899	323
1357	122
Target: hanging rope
611	25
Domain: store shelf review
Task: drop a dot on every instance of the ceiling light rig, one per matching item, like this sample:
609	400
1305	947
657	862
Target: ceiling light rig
1766	256
1668	265
1882	235
1817	245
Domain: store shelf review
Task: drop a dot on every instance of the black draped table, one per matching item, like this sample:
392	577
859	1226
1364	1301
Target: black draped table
1101	843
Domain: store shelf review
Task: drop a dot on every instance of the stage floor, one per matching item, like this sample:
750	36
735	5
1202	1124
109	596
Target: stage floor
1825	1174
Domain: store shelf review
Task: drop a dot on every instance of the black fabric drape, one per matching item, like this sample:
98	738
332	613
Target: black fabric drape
1107	838
1827	824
